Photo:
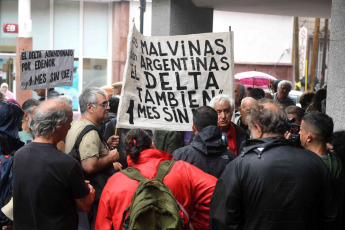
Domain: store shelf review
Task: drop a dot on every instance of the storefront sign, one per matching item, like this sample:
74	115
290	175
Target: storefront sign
10	28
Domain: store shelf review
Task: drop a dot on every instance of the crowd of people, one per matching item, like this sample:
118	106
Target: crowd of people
255	161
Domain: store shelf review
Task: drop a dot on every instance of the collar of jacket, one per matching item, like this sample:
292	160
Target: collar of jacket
147	155
259	145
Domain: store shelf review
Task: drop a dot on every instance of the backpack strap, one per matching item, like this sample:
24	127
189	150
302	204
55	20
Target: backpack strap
80	137
134	174
163	169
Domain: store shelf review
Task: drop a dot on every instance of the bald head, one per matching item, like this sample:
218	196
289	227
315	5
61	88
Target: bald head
54	104
246	104
271	106
248	101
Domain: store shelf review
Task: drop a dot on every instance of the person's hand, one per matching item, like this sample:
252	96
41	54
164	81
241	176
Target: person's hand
117	166
114	155
92	192
287	135
7	227
113	141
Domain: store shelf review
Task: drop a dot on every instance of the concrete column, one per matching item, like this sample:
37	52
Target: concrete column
336	78
180	17
22	44
120	33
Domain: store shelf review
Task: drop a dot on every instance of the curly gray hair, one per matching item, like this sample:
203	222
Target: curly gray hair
46	122
223	97
270	120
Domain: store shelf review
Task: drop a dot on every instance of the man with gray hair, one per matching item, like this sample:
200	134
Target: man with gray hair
282	96
96	155
48	185
225	106
273	185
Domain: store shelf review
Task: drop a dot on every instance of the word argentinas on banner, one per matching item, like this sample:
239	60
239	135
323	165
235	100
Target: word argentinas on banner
46	69
167	77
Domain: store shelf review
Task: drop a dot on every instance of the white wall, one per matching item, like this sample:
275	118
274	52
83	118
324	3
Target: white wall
257	38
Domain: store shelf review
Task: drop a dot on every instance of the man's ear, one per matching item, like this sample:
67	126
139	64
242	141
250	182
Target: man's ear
59	124
258	130
89	108
194	129
310	137
26	117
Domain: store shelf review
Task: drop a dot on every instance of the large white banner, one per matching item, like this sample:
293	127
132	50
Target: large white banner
167	77
46	69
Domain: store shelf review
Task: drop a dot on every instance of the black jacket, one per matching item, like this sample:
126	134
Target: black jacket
241	136
207	151
272	185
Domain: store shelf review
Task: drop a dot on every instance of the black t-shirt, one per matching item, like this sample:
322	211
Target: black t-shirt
45	184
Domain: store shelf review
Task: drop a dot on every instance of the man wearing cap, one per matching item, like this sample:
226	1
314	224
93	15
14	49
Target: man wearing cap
117	88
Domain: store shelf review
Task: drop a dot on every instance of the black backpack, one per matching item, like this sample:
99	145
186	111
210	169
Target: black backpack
153	205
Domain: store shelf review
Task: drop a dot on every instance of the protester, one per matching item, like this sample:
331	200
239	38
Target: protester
28	107
239	94
191	187
117	89
274	86
305	99
257	93
48	193
168	141
246	104
338	147
319	101
273	185
11	117
109	125
316	131
8	94
14	101
295	113
207	151
282	96
224	106
96	157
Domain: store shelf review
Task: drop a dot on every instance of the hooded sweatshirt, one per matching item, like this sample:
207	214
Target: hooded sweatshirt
207	151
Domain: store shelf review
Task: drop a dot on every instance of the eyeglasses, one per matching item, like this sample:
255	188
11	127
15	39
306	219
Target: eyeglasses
104	104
